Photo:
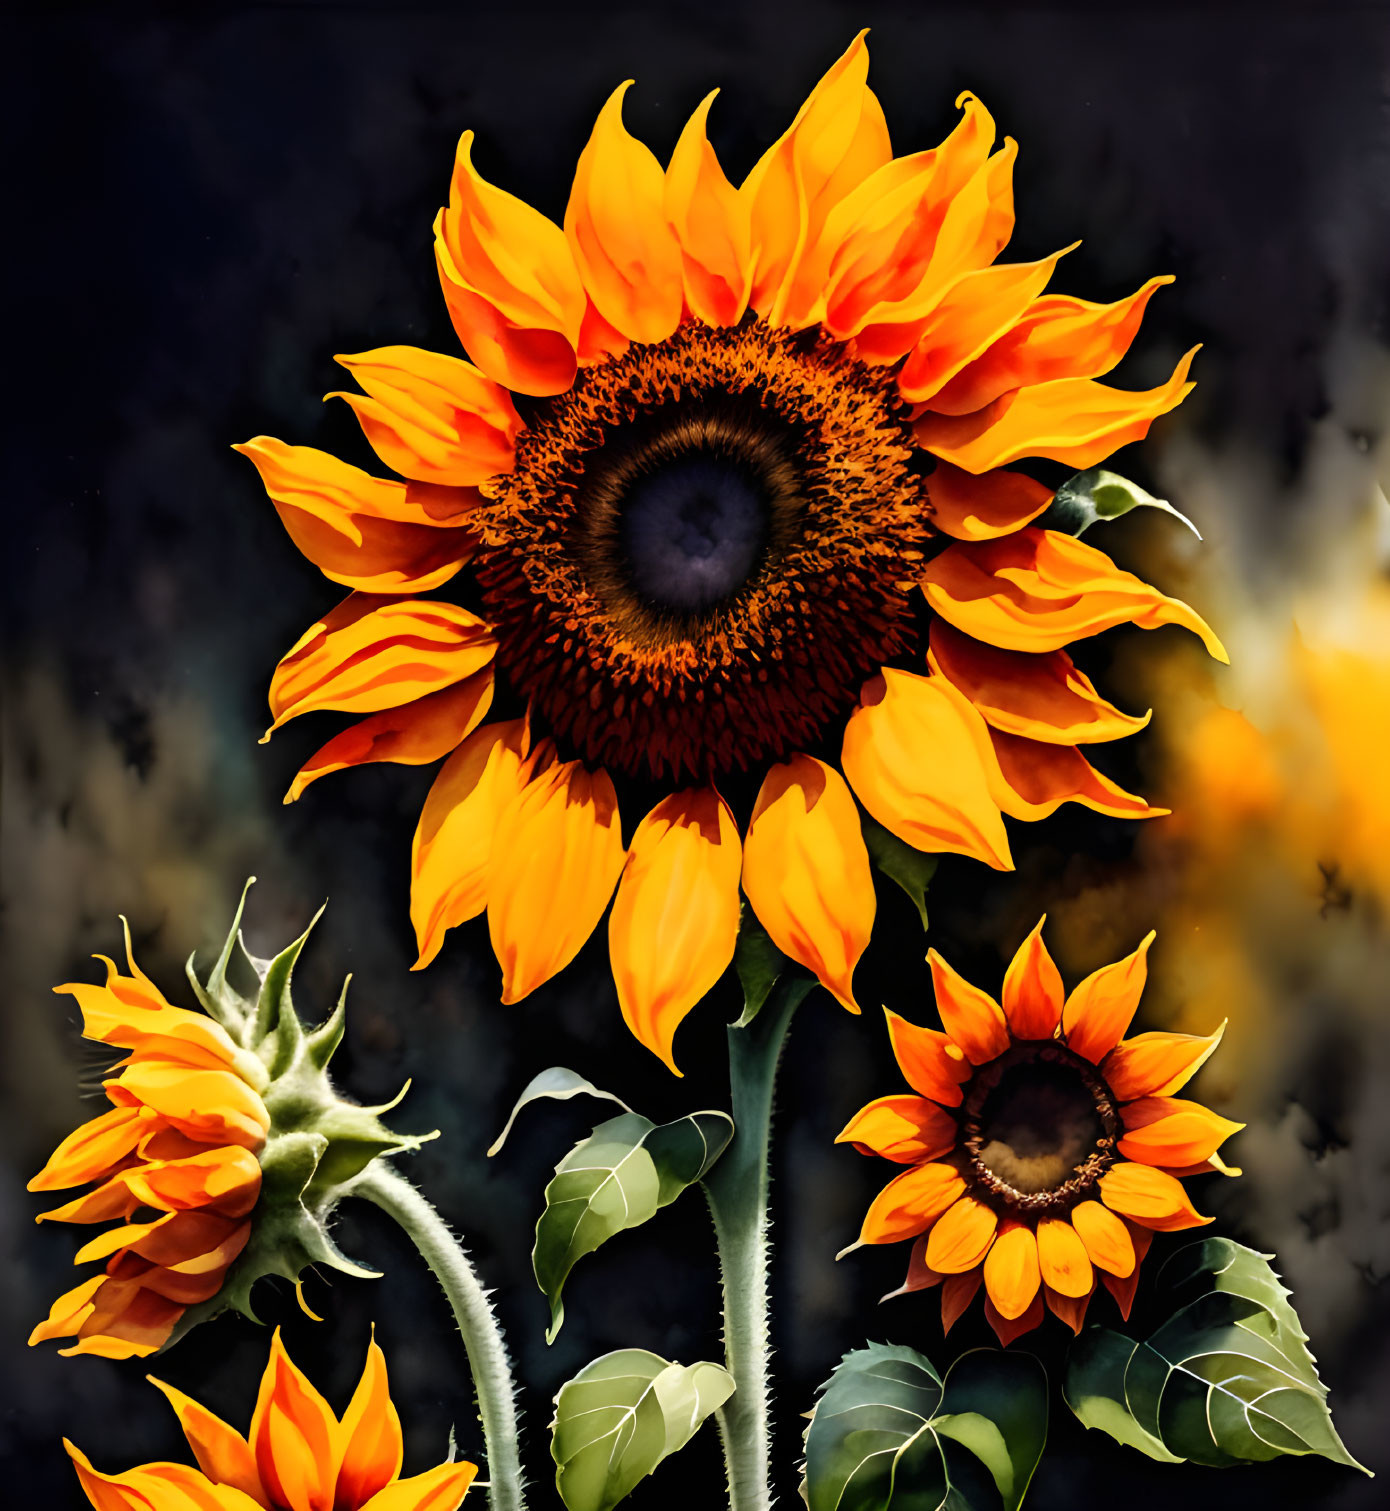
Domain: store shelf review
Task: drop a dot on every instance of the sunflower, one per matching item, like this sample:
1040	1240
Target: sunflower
1045	1149
297	1455
731	470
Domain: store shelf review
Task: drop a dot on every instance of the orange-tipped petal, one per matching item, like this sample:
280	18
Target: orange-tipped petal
294	1436
710	219
1059	337
370	1435
971	1018
1037	590
919	1276
557	855
222	1453
957	1292
1008	1329
93	1150
930	1062
623	246
1076	421
1062	1258
961	1236
452	850
1173	1133
433	418
1011	1270
920	760
438	1489
1157	1064
1039	778
1070	1309
414	735
1123	1287
1105	1236
509	279
1033	989
212	1106
364	532
674	923
1150	1197
837	140
1038	697
155	1487
372	653
980	508
806	872
69	1312
911	1202
907	1129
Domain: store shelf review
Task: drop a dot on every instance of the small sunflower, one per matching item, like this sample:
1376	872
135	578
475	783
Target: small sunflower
732	472
297	1456
220	1160
1045	1148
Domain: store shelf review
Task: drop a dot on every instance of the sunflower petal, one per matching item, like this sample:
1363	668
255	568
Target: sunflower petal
806	872
155	1487
1036	697
907	1129
452	850
1076	421
930	1062
1059	337
438	1489
623	246
294	1436
222	1453
1156	1064
91	1151
957	1292
514	294
971	1018
1039	778
361	531
1063	1259
674	923
1123	1287
961	1236
1150	1197
1007	1329
1099	1011
372	653
414	735
1070	1309
981	508
1106	1237
433	418
911	1202
539	915
710	219
920	760
1036	590
1173	1133
1033	989
370	1435
1011	1270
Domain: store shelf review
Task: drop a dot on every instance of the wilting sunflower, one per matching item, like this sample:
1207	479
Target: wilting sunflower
1045	1148
732	472
297	1455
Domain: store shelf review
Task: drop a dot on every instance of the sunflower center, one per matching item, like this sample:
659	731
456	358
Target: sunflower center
705	550
1039	1128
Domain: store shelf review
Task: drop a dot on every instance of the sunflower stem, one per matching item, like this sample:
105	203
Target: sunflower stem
477	1322
737	1191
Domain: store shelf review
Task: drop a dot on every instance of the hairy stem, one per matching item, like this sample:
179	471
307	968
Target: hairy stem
482	1337
737	1191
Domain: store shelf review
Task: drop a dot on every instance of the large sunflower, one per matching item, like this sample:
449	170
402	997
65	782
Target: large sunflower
1045	1149
731	468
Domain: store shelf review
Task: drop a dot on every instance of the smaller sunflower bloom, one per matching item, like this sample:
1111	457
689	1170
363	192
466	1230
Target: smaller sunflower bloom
224	1138
1044	1149
298	1456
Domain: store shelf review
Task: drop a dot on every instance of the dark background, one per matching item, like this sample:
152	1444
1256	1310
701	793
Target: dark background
204	204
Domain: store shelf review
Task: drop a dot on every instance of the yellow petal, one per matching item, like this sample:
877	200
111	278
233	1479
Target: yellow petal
370	1436
222	1453
962	1236
155	1487
616	223
1098	1013
294	1436
906	1129
1007	1329
929	1060
1033	989
1157	1064
1150	1197
674	922
1011	1270
1040	777
806	872
911	1202
557	855
1062	1257
1105	1236
980	508
1173	1133
920	760
971	1017
439	1489
91	1151
711	222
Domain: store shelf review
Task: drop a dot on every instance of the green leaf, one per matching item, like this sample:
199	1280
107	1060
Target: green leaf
1226	1378
560	1084
758	962
899	862
1099	495
620	1416
618	1178
888	1434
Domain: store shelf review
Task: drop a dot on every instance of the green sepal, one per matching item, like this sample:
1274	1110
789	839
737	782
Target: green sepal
1097	495
217	996
911	869
759	963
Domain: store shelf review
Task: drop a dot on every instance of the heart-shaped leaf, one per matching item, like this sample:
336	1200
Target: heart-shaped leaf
888	1434
620	1416
1227	1378
1100	495
617	1178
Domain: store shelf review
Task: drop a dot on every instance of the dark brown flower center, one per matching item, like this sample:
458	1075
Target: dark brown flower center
1039	1128
705	549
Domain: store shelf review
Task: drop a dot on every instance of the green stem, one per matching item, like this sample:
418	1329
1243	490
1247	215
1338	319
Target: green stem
737	1190
482	1337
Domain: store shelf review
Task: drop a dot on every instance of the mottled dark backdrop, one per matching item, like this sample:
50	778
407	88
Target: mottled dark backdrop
204	204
